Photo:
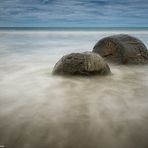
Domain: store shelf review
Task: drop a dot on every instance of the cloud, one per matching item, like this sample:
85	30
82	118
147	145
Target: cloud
74	12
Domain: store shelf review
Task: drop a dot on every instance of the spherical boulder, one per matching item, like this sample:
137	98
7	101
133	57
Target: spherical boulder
123	49
86	63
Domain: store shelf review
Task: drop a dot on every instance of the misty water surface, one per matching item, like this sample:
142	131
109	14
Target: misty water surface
39	110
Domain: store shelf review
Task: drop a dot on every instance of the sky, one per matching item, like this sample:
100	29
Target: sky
73	13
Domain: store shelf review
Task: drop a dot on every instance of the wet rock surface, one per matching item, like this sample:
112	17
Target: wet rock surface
123	49
86	63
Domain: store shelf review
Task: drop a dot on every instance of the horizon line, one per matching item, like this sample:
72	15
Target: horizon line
67	28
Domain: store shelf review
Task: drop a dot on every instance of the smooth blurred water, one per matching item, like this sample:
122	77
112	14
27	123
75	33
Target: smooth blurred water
38	110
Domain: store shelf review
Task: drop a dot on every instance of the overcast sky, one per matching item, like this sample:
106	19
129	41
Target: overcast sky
74	13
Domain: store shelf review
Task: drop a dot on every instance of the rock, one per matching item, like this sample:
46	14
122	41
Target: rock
123	49
87	63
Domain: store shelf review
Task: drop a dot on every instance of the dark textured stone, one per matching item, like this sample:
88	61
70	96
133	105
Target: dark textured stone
87	63
123	49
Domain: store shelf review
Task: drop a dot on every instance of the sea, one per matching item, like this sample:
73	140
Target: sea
39	110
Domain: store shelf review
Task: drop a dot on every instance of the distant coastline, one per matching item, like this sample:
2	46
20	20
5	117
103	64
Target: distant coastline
75	28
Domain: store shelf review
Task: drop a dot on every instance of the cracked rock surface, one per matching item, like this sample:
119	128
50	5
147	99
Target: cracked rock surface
122	48
86	63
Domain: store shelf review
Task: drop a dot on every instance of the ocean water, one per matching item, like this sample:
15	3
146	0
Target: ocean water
39	110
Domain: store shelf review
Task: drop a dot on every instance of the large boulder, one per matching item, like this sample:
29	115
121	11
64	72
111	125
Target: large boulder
123	49
87	63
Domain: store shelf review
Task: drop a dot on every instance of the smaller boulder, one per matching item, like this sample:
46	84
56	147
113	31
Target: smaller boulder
87	63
